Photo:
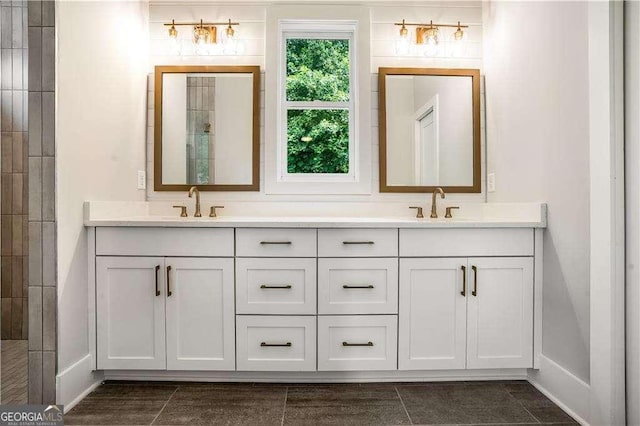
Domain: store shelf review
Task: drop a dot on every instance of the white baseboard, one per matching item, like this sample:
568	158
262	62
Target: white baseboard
317	376
76	382
563	388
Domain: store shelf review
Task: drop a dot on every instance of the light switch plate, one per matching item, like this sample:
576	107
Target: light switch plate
491	182
142	179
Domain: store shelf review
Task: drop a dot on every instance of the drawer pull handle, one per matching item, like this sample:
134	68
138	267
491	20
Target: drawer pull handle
474	292
169	293
358	242
357	286
357	344
464	280
275	243
268	286
157	270
276	345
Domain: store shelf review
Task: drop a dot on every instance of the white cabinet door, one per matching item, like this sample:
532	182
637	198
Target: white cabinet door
432	314
500	313
200	314
130	313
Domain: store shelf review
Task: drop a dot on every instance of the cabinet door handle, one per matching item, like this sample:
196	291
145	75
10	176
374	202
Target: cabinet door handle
357	344
268	286
475	281
169	293
276	345
464	280
275	243
157	270
358	242
357	286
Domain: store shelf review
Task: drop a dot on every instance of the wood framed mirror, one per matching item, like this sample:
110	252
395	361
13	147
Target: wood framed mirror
429	124
207	128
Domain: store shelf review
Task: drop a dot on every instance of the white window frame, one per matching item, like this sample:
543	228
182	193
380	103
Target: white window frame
317	30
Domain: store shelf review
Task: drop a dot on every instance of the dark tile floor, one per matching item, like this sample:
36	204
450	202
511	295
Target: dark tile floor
469	403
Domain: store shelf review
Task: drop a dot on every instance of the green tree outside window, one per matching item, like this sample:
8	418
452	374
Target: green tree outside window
318	138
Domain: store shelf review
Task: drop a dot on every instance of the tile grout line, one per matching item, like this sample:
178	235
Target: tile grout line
165	404
522	405
403	406
284	408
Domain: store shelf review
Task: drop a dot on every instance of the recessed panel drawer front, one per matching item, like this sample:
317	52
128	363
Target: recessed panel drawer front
357	242
200	242
275	286
365	342
276	242
466	242
272	343
358	286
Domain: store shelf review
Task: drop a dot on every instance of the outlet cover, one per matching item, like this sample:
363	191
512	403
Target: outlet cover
142	179
491	182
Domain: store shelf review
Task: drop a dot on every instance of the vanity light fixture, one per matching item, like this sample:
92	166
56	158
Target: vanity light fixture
427	39
205	38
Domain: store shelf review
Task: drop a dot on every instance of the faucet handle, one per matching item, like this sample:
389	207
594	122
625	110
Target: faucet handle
447	213
419	214
183	210
213	210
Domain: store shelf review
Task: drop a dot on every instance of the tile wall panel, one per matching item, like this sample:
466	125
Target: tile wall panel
13	176
41	233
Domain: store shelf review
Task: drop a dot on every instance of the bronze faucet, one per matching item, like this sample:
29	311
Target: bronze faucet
191	192
434	211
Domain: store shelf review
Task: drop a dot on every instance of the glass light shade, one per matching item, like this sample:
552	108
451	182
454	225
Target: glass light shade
403	46
431	44
175	46
231	45
457	43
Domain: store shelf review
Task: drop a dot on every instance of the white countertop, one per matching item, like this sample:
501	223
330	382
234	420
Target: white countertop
470	215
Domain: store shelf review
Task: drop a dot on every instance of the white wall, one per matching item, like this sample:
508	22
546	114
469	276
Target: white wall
234	129
252	31
174	129
400	124
101	65
632	178
537	87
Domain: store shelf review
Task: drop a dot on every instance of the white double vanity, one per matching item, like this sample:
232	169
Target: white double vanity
236	297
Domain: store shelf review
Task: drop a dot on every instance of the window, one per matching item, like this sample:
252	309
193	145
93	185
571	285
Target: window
317	134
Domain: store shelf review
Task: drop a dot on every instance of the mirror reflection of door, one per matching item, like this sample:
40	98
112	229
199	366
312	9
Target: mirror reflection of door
426	144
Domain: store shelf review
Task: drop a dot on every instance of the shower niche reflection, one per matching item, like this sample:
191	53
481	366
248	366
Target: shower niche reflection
201	136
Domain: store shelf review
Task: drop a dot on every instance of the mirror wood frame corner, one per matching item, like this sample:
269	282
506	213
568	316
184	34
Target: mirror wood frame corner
383	72
160	71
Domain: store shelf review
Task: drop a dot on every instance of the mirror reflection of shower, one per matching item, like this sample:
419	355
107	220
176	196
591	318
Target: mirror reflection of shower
201	107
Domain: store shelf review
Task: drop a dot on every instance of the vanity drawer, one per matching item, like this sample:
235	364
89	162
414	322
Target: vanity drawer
358	286
466	242
357	242
272	242
357	342
127	241
275	286
270	343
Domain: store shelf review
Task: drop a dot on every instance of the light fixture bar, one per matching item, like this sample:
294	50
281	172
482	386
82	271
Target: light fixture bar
199	24
425	25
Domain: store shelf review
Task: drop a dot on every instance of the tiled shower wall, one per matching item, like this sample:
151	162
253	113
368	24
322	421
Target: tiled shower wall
13	178
42	215
200	132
